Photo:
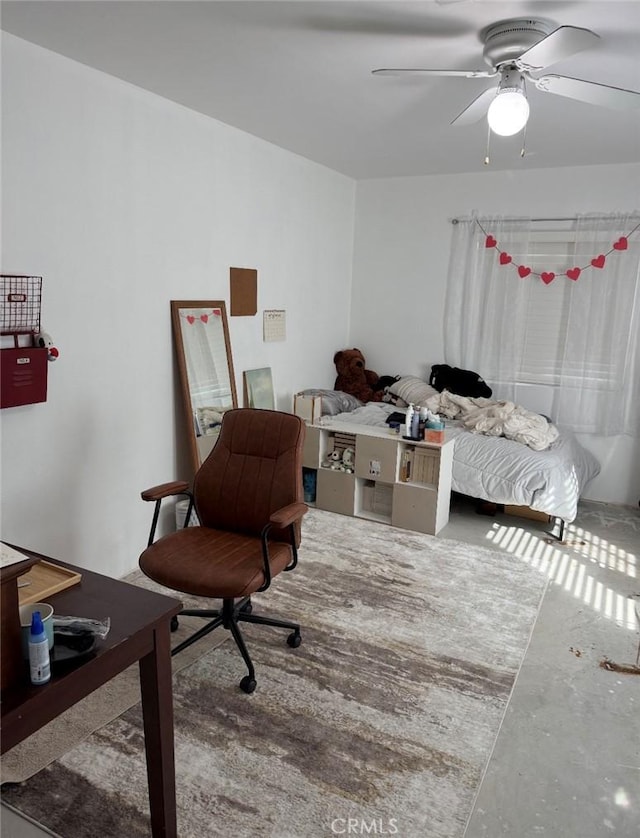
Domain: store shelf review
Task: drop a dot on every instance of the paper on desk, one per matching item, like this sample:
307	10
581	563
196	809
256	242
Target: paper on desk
10	556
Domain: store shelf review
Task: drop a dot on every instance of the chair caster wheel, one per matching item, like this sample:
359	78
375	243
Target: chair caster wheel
248	684
247	608
174	624
294	639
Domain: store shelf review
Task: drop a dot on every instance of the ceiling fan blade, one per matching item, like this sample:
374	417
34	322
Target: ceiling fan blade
476	109
416	71
589	91
561	43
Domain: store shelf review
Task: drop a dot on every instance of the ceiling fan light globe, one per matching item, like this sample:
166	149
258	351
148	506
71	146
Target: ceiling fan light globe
508	113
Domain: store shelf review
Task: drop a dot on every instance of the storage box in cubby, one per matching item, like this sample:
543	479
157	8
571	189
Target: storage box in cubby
335	491
313	450
377	458
416	508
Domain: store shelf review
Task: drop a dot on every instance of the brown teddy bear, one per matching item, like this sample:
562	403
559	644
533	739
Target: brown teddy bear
354	378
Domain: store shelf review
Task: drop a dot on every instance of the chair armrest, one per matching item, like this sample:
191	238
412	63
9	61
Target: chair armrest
165	490
158	493
288	515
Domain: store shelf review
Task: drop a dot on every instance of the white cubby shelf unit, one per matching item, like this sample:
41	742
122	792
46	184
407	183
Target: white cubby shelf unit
397	481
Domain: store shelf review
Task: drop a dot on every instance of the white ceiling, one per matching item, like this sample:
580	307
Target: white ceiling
298	74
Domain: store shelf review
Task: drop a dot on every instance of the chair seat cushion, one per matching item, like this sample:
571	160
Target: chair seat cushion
212	563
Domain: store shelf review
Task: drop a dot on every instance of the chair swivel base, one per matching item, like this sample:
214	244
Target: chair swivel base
229	616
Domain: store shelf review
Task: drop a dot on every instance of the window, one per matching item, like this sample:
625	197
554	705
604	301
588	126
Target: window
578	336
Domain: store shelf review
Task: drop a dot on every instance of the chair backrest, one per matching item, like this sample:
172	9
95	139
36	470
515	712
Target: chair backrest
254	468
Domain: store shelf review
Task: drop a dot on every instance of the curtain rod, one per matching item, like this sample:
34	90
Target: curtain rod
566	218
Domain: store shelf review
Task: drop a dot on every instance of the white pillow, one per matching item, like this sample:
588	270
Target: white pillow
411	390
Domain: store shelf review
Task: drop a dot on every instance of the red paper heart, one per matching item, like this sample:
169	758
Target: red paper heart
547	277
190	319
217	312
621	244
598	262
504	258
204	317
490	242
523	270
573	273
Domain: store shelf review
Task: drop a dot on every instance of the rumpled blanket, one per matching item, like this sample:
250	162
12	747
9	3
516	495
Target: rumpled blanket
496	418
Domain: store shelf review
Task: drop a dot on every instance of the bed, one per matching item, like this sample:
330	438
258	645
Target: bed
491	468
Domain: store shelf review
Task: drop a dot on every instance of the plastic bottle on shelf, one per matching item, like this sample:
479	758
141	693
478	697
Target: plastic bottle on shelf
39	660
424	413
409	420
415	424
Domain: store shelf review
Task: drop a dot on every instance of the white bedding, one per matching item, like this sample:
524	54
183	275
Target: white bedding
496	418
504	471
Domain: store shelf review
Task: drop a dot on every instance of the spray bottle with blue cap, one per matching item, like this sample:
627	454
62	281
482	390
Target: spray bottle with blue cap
39	660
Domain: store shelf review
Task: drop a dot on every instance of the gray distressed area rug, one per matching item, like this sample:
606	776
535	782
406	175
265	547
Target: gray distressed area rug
387	713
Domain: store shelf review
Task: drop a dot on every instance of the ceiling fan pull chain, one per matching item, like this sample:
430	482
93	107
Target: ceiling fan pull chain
486	159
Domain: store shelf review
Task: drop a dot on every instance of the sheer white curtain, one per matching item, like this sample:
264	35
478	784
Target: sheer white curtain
486	303
598	388
579	337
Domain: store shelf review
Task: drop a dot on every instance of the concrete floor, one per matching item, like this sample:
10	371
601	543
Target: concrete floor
566	762
567	759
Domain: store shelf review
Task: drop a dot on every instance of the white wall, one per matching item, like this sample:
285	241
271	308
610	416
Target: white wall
402	239
123	201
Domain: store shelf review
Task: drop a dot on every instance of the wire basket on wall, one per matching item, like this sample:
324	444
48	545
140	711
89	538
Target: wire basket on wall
20	304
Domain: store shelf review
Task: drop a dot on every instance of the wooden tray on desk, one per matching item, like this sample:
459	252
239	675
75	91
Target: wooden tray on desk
45	579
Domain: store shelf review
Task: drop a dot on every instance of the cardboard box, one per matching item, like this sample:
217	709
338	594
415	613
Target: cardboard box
527	512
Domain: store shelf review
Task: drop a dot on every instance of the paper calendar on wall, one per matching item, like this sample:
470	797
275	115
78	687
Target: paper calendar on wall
274	325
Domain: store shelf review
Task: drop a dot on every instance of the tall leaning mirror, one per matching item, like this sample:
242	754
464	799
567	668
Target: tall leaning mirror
205	366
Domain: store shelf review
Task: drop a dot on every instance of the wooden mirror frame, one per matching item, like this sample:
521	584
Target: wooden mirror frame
200	444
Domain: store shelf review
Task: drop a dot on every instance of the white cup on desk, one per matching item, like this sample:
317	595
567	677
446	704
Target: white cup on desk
46	614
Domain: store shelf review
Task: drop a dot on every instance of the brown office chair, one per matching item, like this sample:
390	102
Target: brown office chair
248	498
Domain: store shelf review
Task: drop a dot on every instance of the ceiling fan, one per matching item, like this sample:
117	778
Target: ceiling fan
516	49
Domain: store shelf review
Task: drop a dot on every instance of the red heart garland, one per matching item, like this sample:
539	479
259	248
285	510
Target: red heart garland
204	317
548	276
217	312
191	319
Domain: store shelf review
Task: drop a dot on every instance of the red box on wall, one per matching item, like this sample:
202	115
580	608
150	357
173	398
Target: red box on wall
23	376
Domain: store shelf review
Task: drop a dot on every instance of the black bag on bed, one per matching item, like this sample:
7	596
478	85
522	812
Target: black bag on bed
460	382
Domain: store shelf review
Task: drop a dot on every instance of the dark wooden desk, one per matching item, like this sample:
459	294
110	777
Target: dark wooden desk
140	631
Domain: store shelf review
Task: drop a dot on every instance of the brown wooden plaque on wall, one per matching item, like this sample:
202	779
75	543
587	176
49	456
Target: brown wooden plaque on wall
243	292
